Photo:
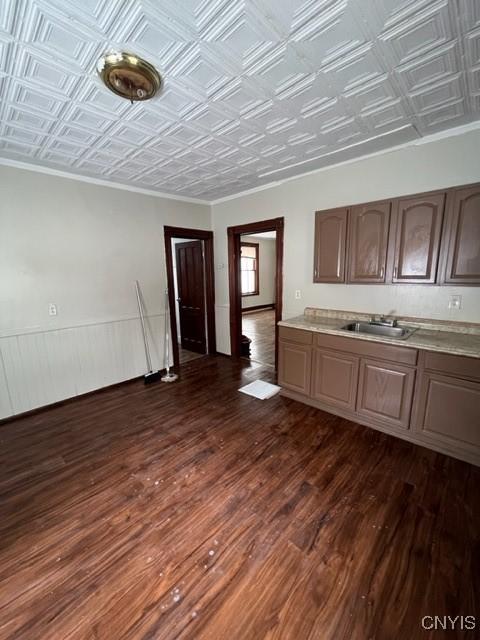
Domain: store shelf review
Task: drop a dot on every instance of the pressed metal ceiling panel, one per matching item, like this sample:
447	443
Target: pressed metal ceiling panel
255	90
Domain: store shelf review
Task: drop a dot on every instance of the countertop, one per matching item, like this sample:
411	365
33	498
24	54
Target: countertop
457	342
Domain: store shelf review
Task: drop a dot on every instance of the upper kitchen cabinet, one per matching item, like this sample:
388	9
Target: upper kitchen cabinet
330	245
368	242
462	237
418	226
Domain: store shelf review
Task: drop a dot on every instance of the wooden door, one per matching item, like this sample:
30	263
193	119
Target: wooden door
368	242
385	392
191	295
449	410
330	245
463	237
294	366
335	377
417	240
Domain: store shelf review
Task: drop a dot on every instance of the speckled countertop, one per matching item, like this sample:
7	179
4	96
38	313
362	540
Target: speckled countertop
456	338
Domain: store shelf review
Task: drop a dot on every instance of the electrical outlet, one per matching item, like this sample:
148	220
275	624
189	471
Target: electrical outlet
298	294
455	302
52	309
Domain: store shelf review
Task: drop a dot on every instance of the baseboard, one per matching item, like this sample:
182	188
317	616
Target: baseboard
61	403
258	307
403	434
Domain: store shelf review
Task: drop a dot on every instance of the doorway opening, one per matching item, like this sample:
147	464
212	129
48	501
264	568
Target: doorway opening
255	254
257	284
190	282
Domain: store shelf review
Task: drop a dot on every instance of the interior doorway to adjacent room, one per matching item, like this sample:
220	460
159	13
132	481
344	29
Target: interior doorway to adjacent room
189	260
255	254
257	283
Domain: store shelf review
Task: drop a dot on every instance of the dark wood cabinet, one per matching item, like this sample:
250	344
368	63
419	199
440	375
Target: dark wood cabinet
462	237
418	226
385	392
430	398
334	378
368	242
294	366
449	410
421	239
330	245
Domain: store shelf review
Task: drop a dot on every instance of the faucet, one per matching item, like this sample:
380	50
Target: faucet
384	321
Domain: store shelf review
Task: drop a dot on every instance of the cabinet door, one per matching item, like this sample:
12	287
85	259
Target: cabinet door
334	379
294	366
385	392
417	238
449	410
463	237
368	241
330	245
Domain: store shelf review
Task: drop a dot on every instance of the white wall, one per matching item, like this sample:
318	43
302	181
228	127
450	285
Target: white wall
80	246
439	164
266	275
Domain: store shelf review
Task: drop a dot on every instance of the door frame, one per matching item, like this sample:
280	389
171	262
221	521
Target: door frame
234	238
207	237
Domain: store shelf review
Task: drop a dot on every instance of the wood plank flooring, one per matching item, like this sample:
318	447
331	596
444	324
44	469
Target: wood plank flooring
185	355
259	326
192	511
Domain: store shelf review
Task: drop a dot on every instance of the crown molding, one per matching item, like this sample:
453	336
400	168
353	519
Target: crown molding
17	164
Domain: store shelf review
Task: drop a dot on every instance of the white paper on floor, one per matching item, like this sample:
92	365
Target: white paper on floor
260	389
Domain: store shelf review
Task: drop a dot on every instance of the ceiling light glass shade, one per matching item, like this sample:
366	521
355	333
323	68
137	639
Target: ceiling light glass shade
129	76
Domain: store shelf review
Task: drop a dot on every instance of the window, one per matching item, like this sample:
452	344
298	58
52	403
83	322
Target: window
249	268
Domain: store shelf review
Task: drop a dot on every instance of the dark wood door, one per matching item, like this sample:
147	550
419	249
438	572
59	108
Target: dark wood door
368	242
294	366
417	239
191	295
335	378
463	237
330	245
385	392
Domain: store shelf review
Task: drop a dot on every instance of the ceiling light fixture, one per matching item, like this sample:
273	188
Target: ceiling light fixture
129	76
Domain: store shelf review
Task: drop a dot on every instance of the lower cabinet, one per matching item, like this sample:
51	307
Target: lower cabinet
449	410
294	366
334	379
430	398
385	392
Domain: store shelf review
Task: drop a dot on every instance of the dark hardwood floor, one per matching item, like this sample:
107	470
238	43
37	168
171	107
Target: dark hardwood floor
185	355
259	326
193	511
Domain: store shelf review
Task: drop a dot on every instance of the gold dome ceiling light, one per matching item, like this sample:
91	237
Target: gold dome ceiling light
129	76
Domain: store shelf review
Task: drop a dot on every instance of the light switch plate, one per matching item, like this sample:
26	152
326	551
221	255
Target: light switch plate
52	309
298	294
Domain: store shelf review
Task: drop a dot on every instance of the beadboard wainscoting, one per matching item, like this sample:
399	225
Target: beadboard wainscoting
44	367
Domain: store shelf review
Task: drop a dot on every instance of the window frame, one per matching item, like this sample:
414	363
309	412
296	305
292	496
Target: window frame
256	246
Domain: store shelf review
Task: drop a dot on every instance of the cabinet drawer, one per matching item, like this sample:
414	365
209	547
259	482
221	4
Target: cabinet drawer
294	366
449	410
295	335
453	365
366	348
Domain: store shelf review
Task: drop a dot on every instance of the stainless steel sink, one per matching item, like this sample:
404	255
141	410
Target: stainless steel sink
402	333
